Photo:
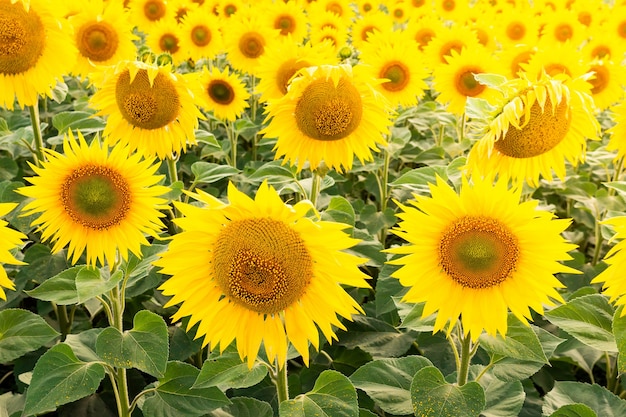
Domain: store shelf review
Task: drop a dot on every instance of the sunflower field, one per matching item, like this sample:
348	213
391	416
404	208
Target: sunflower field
298	208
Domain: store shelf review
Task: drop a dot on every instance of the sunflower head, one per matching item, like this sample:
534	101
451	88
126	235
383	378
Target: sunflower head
95	201
331	114
479	253
276	272
9	240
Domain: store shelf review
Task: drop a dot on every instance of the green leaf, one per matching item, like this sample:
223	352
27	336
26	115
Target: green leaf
144	347
376	337
75	285
339	210
208	172
388	382
619	330
77	120
588	319
59	377
11	404
411	315
503	399
274	172
244	407
603	402
175	397
8	168
83	344
21	332
228	371
432	396
574	410
421	177
520	342
332	396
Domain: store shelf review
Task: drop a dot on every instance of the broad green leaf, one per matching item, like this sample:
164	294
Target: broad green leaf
228	371
244	407
432	396
144	347
83	344
208	172
11	404
386	289
75	285
141	272
589	319
332	396
274	172
411	315
575	352
59	377
619	330
603	402
420	176
520	342
339	210
8	168
376	337
388	382
182	343
503	399
175	397
21	332
574	410
77	120
208	139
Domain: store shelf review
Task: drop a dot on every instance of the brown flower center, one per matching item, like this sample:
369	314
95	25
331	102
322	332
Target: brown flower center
286	71
22	38
221	92
97	41
168	42
601	52
144	105
96	197
398	75
262	264
154	10
563	32
329	112
201	35
251	45
515	31
601	78
448	5
544	130
447	48
285	23
424	36
478	252
466	83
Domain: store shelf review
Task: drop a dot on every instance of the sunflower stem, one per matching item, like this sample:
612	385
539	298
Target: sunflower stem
172	169
598	239
280	380
117	296
315	188
65	323
35	123
617	173
383	188
463	371
232	139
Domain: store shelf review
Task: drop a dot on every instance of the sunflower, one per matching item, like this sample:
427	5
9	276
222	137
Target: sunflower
400	11
590	12
9	240
391	56
514	58
563	26
603	45
479	254
36	50
103	35
245	38
536	125
424	29
149	108
448	39
288	18
275	273
331	113
561	59
516	26
615	27
222	93
455	80
454	10
366	25
145	13
612	278
337	38
225	9
95	201
164	37
607	82
180	8
366	6
340	8
283	59
200	35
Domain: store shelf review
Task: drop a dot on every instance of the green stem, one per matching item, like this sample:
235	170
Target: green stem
598	239
280	380
617	173
462	130
463	371
34	121
117	296
65	324
232	138
384	192
315	188
172	169
122	386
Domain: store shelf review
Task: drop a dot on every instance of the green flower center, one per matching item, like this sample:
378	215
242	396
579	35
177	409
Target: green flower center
96	197
251	45
169	43
478	252
22	38
398	75
201	35
261	264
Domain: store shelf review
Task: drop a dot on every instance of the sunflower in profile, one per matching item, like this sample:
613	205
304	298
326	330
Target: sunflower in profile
455	81
103	35
283	59
36	50
391	56
245	37
9	240
200	35
478	254
288	17
223	93
95	201
164	38
275	273
612	278
149	108
535	127
330	113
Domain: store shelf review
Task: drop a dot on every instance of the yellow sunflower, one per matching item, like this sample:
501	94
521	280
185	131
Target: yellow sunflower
478	254
391	56
560	59
590	12
103	35
330	113
615	27
516	26
535	127
366	25
145	13
245	38
149	108
448	39
95	201
200	35
424	29
612	278
288	17
276	274
164	37
563	26
340	8
607	82
223	93
337	38
514	58
455	80
603	45
9	240
227	8
283	59
454	10
36	50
